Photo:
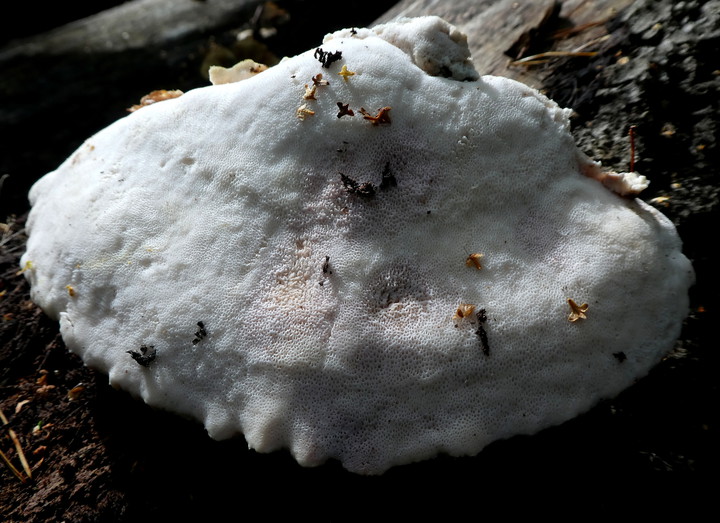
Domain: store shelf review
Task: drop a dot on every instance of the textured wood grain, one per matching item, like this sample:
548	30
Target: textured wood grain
494	27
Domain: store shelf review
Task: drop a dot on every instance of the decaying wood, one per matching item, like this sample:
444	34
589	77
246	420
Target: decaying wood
497	28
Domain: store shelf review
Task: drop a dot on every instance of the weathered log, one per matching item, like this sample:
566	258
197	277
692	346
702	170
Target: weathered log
501	31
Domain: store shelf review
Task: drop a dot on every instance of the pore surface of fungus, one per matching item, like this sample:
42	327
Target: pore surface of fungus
213	239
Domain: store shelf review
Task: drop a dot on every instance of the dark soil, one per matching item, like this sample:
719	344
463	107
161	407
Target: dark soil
102	456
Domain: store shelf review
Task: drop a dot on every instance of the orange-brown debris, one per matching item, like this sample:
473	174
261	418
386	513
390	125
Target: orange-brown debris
381	117
155	96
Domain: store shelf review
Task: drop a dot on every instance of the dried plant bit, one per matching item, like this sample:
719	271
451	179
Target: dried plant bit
388	180
318	80
344	110
75	393
303	112
326	58
13	468
310	92
42	380
660	200
146	355
623	60
547	55
200	334
473	260
70	290
346	73
155	96
44	389
464	310
577	312
20	404
564	33
541	58
18	450
366	190
668	130
381	117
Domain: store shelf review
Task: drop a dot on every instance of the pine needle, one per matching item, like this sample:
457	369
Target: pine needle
541	58
12	467
18	448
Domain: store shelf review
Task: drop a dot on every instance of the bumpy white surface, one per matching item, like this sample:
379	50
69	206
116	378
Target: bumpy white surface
220	206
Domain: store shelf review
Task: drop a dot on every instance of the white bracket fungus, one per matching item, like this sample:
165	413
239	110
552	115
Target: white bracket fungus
294	279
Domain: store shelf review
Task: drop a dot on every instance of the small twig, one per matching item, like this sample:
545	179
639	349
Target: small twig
18	447
592	42
20	452
631	133
12	467
540	58
562	33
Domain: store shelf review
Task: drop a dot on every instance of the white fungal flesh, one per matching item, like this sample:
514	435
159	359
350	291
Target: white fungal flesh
327	315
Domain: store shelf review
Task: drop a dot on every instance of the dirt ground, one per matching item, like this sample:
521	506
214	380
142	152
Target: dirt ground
98	455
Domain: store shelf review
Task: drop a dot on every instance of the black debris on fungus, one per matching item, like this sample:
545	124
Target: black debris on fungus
366	190
146	355
326	266
388	180
326	58
200	333
482	318
620	356
325	270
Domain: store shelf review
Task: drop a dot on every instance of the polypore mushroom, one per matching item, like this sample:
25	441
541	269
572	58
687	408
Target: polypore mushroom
283	288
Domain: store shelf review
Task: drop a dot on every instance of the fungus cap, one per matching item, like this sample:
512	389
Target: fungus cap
314	283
